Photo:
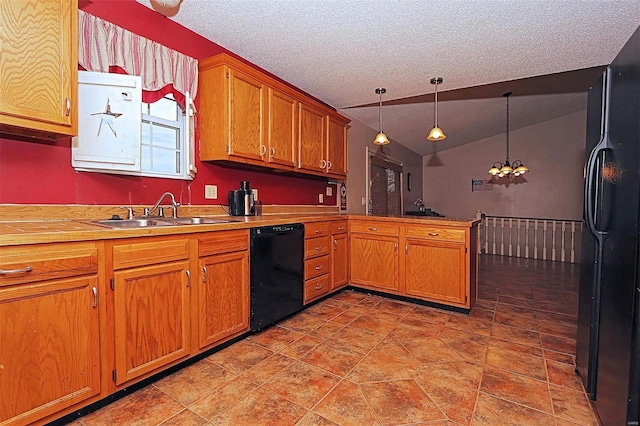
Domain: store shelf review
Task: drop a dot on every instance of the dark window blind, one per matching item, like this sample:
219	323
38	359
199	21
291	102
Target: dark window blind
384	188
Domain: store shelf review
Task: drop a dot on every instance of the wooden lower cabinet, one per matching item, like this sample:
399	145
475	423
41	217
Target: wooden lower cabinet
436	271
151	318
375	261
222	297
339	255
49	330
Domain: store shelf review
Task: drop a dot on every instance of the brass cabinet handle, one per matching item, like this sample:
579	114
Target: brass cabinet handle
433	234
406	248
395	247
335	244
318	231
95	297
329	164
319	268
67	111
323	164
373	229
318	286
205	274
273	152
188	278
263	150
340	228
318	248
15	271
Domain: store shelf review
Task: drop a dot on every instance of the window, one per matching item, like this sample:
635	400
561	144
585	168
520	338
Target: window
165	145
385	186
118	133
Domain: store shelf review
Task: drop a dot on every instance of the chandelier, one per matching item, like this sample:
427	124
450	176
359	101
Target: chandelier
508	169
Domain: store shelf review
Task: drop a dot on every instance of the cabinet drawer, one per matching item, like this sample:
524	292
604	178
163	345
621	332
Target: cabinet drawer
339	227
316	267
223	242
379	228
23	264
317	229
436	234
315	288
149	253
315	247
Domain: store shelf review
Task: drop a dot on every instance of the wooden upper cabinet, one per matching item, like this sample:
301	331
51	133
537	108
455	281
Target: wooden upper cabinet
312	140
336	147
39	63
282	130
249	117
245	116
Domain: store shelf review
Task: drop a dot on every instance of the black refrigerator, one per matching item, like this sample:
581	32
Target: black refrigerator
608	339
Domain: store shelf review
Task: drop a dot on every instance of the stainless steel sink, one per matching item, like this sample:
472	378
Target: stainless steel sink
152	222
195	220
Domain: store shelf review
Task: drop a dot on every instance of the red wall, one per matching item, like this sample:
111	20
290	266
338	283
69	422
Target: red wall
40	172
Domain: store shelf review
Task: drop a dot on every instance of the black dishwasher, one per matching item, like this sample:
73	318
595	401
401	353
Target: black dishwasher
277	273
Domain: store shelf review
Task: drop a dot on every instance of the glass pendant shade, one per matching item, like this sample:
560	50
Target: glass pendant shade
436	133
381	138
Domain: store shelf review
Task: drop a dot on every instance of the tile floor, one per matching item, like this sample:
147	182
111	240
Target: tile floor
356	359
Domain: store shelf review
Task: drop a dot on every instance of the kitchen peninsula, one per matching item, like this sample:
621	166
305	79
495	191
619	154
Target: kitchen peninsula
121	289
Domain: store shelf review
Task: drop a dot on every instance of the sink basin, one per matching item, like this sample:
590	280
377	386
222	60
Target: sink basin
195	220
151	222
131	223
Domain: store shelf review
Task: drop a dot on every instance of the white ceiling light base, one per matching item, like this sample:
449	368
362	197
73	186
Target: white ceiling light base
166	7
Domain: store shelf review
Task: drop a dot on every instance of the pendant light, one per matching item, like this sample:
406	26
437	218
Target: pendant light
381	138
507	169
436	134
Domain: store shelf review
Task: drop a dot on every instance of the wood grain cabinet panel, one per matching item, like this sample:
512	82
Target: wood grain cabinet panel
222	297
374	261
436	271
38	88
282	130
339	261
151	318
336	147
315	247
312	141
49	348
246	97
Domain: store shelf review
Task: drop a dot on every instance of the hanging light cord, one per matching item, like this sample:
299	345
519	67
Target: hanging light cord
380	113
435	110
507	162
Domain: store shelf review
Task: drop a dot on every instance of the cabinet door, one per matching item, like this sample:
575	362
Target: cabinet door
337	148
282	133
49	348
312	140
339	261
39	77
374	261
223	297
245	110
435	270
151	318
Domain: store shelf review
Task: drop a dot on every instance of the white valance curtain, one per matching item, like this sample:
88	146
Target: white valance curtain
104	46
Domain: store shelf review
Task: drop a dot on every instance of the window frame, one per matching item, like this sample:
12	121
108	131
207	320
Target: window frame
393	164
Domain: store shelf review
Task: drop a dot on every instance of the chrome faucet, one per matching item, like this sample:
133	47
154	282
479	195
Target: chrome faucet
174	206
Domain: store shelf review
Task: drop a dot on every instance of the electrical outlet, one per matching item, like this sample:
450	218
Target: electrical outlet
211	192
320	198
329	191
255	193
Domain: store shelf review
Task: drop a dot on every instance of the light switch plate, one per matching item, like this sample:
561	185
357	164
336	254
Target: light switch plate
211	192
255	193
320	198
329	191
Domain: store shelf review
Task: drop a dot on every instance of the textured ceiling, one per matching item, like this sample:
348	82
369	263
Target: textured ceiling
341	50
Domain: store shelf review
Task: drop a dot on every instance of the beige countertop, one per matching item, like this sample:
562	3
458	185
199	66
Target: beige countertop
47	231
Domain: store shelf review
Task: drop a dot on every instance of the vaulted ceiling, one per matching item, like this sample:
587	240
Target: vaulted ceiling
547	52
